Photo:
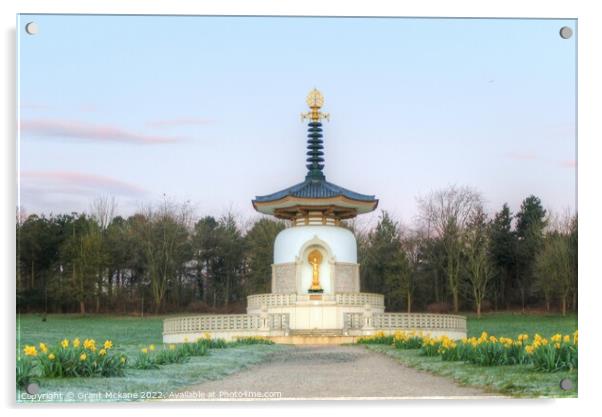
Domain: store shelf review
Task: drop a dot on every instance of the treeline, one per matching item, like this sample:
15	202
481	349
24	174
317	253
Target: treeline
458	258
161	259
157	260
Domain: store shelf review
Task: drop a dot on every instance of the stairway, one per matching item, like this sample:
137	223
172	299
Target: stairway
316	332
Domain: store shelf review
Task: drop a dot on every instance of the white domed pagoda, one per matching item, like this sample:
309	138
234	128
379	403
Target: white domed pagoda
315	295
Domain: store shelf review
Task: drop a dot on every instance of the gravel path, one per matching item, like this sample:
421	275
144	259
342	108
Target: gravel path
332	372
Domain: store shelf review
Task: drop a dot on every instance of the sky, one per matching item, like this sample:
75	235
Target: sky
206	110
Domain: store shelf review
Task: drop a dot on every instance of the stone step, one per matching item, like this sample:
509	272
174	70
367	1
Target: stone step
316	332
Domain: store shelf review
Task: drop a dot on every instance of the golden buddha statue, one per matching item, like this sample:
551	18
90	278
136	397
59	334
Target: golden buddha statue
315	259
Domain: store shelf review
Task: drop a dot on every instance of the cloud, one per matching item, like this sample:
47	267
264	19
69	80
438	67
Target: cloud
184	121
90	132
78	183
569	163
521	156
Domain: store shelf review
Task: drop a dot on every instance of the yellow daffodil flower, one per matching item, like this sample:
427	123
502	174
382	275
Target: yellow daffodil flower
90	344
30	350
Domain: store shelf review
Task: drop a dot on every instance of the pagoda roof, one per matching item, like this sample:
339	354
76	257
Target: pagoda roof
315	193
311	188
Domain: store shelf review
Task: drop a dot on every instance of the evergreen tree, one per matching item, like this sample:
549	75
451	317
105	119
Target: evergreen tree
530	224
260	254
503	245
385	263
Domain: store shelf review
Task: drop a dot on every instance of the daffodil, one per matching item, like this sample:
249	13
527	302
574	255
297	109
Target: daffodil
144	350
51	356
102	352
76	342
151	348
43	347
83	357
566	338
65	343
30	350
108	344
90	344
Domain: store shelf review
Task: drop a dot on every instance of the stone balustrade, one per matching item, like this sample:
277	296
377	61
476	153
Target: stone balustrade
270	300
401	321
225	322
360	299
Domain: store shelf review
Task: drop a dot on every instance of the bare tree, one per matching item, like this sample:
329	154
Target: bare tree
163	233
446	212
411	243
478	260
103	210
555	264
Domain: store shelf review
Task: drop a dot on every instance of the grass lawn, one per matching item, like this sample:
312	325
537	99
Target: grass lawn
129	335
513	324
514	380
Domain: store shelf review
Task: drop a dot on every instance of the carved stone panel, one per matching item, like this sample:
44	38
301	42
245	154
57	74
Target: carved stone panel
346	277
284	278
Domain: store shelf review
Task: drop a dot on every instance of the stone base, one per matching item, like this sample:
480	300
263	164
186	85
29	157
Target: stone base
313	340
313	337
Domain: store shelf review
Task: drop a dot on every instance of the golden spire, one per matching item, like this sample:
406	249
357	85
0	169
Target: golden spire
315	101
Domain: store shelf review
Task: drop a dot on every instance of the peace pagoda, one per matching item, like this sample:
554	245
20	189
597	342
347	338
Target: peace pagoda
315	281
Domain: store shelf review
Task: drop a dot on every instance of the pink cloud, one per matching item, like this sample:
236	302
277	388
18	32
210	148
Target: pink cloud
100	133
70	182
521	156
184	121
569	163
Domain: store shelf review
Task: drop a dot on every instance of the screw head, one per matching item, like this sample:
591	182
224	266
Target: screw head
31	28
566	384
566	32
32	388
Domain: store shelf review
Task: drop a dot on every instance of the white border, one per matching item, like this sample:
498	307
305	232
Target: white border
590	94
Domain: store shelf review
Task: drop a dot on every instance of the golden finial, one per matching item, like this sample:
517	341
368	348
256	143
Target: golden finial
315	100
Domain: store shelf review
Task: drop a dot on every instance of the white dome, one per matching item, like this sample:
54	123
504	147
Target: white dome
290	241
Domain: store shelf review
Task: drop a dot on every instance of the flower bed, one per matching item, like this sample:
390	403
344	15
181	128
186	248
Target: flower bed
74	358
557	353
